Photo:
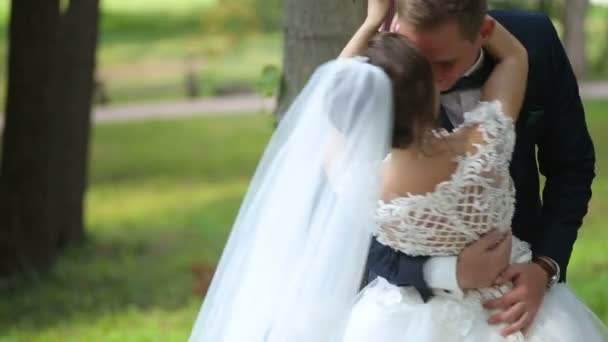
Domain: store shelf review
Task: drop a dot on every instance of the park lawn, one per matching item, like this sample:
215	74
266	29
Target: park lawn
162	199
588	270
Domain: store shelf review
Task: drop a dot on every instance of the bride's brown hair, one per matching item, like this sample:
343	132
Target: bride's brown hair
414	93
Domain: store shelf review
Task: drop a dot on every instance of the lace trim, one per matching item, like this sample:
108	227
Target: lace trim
478	197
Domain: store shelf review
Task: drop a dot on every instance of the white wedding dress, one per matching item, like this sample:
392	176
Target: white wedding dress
478	197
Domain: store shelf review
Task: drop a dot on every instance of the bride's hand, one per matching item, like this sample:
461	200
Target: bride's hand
377	11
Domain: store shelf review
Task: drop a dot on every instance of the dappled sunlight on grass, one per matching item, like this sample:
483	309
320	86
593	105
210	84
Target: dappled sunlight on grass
139	6
150	205
203	150
130	324
133	277
149	233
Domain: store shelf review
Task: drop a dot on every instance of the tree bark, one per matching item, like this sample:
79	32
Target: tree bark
574	15
46	134
315	31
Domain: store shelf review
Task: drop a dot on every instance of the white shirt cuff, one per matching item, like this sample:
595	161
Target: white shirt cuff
440	273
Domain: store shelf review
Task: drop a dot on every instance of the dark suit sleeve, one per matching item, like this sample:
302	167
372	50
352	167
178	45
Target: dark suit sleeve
566	157
398	268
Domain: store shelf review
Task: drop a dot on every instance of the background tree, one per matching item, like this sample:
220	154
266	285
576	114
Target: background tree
571	14
45	141
315	31
574	39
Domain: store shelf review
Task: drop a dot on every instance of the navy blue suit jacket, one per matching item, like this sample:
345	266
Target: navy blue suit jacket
552	138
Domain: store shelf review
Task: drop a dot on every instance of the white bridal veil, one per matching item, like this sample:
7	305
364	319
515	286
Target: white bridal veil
293	263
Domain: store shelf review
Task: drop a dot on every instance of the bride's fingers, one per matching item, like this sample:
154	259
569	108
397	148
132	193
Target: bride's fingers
522	323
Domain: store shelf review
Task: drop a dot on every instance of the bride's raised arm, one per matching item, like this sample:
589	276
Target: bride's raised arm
508	80
376	12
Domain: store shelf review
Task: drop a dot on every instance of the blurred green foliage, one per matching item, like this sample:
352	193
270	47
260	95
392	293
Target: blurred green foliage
146	47
551	7
268	84
243	16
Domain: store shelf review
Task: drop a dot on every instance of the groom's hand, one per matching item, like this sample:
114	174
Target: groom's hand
481	262
520	305
376	11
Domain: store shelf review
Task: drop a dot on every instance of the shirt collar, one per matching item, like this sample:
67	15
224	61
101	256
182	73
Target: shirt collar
477	64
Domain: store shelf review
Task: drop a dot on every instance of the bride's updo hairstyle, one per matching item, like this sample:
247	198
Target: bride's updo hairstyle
414	93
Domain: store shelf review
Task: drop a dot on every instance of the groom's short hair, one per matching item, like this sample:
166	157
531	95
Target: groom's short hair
428	14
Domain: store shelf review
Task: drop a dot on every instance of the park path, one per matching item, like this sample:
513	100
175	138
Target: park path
238	104
594	90
229	105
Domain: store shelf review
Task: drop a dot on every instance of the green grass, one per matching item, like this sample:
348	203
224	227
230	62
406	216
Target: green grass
137	6
163	196
588	271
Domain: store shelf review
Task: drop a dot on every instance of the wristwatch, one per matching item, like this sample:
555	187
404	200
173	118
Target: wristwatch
549	266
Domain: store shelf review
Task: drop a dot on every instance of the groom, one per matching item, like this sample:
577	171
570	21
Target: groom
552	138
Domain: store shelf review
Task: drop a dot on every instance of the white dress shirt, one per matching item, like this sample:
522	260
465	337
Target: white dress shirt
458	102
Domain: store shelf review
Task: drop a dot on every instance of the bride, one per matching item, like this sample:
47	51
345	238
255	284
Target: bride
292	266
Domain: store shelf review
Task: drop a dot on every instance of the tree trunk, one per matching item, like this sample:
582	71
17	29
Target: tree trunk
574	15
315	31
46	134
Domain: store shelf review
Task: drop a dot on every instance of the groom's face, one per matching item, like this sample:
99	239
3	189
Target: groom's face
450	54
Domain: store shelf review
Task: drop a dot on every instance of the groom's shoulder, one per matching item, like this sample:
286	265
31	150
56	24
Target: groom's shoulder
530	27
520	17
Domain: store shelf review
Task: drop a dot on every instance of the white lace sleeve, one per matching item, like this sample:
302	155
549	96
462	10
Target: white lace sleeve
497	130
478	198
486	192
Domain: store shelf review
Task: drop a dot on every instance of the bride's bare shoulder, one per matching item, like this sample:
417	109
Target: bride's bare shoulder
411	174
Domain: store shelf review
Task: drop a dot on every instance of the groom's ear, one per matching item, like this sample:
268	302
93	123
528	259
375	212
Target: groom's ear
487	28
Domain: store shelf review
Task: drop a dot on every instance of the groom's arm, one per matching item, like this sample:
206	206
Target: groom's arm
398	268
473	268
566	158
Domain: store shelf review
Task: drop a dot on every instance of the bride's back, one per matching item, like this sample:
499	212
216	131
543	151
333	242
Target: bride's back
418	170
437	202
